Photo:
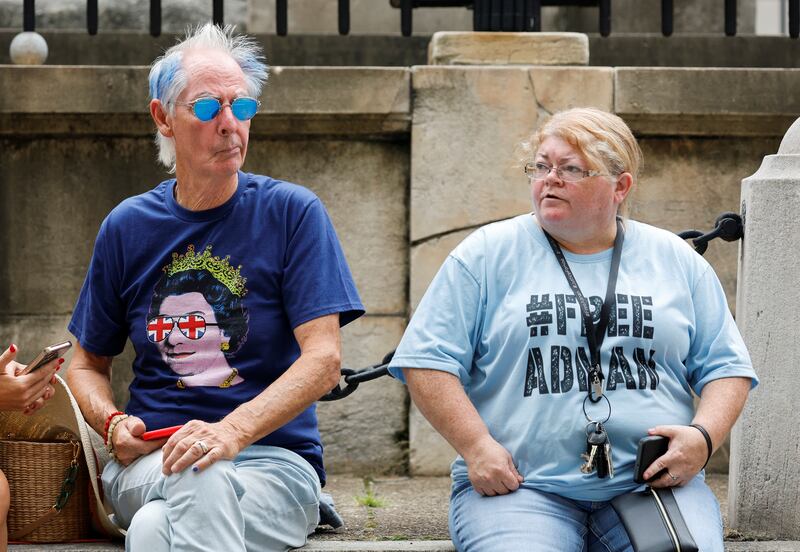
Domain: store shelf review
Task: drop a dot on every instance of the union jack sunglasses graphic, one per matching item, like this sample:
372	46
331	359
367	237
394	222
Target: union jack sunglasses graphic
192	326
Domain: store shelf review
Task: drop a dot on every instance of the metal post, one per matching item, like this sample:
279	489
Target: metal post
344	17
281	17
730	17
405	17
218	11
507	15
155	17
666	17
605	17
496	15
91	16
536	14
28	16
794	18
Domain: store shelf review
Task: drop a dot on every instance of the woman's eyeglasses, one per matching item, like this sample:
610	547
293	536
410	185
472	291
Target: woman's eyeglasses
566	173
207	108
192	326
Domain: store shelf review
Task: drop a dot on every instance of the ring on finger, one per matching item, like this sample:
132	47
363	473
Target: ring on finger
202	446
673	477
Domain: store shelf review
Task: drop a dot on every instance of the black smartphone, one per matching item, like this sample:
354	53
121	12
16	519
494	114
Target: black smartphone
48	354
650	448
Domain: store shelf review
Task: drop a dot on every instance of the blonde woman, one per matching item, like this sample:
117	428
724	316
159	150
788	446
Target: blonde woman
546	328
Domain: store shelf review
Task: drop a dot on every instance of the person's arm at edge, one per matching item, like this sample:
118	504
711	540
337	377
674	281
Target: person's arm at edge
315	372
89	379
442	400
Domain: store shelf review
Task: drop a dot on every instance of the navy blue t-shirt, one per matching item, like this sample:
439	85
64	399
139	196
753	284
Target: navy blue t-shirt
209	300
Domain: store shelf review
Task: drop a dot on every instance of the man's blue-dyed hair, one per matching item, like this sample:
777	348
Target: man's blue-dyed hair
168	77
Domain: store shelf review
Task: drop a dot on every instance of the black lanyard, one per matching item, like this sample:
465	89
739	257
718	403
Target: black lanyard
594	334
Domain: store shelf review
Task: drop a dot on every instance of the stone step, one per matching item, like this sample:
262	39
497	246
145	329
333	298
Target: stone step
386	546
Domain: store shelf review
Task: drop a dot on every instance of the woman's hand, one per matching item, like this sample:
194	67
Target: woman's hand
200	444
26	393
491	469
683	460
128	444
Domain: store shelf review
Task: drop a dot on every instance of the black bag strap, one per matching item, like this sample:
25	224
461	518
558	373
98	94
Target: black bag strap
594	334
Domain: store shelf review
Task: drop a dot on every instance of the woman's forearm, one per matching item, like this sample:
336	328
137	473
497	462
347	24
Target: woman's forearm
442	400
720	404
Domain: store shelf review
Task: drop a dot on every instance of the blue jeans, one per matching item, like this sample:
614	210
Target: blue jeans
528	519
267	498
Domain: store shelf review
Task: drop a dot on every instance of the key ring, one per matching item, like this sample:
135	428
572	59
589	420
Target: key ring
588	419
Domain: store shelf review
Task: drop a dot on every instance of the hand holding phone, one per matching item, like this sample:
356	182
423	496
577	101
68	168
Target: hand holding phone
162	433
650	448
48	354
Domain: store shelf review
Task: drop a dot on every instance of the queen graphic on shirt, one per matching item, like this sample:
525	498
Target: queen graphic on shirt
197	319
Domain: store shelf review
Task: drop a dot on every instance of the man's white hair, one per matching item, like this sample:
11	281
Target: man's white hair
168	78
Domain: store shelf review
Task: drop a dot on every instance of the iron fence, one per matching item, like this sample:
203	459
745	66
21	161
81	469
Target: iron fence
488	15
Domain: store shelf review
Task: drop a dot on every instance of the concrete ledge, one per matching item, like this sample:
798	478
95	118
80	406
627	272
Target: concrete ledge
297	100
480	48
122	47
707	102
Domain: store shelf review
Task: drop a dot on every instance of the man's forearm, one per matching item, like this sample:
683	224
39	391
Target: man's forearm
312	375
90	384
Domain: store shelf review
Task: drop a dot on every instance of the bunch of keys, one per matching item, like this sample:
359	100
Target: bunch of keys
598	451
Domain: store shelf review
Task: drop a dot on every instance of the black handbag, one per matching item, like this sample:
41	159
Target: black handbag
654	522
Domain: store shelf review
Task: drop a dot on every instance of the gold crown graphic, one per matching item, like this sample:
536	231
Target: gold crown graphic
220	269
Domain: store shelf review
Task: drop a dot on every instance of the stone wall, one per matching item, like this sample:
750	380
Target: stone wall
408	161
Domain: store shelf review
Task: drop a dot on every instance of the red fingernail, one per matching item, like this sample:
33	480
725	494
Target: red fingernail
12	348
61	360
58	368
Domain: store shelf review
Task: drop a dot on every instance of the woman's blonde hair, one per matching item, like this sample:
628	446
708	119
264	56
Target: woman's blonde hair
602	138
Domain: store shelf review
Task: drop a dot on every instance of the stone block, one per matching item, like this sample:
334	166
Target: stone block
340	100
467	124
690	101
687	182
351	101
764	494
53	89
429	453
426	258
363	186
55	194
365	433
485	48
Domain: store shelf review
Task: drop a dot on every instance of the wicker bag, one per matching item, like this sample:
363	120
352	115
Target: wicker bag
49	490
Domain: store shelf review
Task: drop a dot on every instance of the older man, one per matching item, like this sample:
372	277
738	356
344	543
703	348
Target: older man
232	288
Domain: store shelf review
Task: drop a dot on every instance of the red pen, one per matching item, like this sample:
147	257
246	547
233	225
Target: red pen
162	433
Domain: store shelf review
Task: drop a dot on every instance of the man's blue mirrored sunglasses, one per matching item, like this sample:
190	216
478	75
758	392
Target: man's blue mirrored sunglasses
207	108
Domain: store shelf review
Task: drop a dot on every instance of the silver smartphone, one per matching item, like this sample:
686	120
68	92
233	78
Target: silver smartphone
48	354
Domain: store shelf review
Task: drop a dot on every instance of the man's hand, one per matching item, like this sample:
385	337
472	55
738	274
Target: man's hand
683	460
128	444
200	444
26	393
491	468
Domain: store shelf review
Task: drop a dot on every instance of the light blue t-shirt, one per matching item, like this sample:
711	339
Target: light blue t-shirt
501	317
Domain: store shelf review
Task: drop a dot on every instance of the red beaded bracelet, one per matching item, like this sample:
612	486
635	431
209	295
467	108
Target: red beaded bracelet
108	422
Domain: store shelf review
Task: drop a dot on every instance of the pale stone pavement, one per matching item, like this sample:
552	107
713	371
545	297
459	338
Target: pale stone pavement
408	515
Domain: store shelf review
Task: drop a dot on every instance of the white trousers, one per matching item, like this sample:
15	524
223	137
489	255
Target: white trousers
267	498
